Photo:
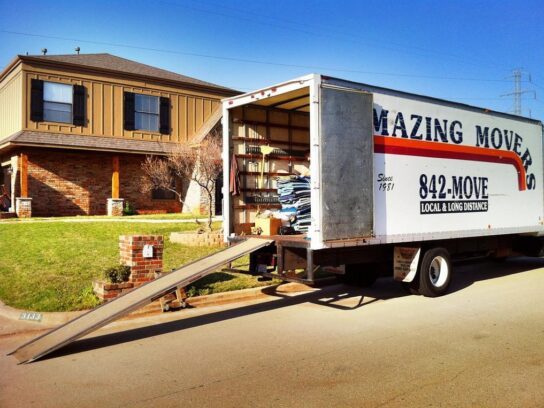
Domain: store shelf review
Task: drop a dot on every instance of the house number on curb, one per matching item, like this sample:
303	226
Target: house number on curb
36	317
148	251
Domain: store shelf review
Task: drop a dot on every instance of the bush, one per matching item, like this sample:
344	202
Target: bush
129	209
117	274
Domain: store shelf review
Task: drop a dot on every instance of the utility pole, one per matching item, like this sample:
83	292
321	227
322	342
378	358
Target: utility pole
517	75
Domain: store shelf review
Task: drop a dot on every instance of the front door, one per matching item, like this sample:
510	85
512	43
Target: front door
5	189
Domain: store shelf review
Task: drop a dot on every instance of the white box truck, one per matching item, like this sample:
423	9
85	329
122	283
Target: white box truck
398	181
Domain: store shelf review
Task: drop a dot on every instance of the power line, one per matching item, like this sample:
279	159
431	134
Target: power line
535	84
251	61
322	32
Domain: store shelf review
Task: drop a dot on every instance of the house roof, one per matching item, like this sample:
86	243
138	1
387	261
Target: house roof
80	142
112	63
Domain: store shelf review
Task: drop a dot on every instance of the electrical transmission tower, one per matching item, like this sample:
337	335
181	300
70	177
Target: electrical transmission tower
517	75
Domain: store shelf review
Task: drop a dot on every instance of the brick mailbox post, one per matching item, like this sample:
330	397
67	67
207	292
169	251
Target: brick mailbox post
143	254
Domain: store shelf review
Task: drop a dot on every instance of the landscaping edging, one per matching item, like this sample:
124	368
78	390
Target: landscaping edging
197	239
106	291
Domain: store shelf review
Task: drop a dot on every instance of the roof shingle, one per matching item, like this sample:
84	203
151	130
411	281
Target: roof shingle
123	65
81	142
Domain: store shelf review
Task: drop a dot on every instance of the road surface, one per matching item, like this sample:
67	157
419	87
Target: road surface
482	345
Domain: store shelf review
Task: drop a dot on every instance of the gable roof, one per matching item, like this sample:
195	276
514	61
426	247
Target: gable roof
108	62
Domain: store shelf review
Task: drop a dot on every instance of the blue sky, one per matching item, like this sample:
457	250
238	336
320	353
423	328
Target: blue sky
457	50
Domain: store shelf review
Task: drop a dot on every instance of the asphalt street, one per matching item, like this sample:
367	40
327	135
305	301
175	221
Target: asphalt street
482	345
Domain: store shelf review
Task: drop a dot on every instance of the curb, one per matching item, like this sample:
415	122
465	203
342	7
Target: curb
50	320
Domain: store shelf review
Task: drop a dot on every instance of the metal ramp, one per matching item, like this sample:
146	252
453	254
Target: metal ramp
147	293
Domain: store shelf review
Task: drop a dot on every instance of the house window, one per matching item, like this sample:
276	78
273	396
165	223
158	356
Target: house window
57	102
146	112
162	194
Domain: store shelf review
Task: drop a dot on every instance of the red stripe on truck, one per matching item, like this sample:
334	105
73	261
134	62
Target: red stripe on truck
407	147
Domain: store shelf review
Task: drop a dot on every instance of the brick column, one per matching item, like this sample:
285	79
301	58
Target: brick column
115	204
131	249
23	207
115	207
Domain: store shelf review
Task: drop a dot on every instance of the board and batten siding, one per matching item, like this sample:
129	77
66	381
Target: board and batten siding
11	103
104	107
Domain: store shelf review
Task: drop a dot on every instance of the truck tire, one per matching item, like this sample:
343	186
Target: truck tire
361	274
434	274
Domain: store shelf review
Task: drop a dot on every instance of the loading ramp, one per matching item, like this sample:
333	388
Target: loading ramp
145	294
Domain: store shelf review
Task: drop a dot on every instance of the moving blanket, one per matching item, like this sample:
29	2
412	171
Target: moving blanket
294	192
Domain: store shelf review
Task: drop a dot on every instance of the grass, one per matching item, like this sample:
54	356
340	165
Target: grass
49	266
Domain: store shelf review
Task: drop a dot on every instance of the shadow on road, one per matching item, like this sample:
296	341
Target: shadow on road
339	296
468	272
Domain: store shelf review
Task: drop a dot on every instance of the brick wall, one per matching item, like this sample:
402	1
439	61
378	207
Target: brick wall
131	254
68	183
130	184
64	183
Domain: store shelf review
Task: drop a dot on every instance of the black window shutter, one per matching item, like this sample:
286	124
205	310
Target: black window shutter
78	108
129	115
164	127
36	100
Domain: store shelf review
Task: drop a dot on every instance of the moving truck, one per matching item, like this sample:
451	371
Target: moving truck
323	175
398	182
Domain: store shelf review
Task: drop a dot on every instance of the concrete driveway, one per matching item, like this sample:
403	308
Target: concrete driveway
482	345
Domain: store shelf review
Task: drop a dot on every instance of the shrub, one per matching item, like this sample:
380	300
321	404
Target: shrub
129	209
117	274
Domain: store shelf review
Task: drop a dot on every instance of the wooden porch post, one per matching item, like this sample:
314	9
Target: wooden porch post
24	176
115	178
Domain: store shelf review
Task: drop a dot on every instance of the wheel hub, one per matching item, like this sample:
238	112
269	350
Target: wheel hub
438	271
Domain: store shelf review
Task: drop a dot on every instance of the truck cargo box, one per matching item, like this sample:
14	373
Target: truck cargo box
385	166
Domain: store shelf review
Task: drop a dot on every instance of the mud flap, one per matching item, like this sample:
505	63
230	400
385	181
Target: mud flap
405	265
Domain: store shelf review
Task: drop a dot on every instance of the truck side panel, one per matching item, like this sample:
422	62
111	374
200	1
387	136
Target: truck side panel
443	169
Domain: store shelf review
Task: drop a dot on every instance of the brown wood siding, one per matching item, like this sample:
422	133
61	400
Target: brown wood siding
104	106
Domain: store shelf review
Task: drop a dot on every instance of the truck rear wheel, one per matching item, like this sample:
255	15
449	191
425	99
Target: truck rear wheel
434	275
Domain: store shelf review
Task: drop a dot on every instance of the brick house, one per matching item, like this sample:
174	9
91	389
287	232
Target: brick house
74	130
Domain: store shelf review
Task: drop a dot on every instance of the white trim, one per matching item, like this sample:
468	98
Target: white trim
392	239
270	91
225	121
315	232
91	149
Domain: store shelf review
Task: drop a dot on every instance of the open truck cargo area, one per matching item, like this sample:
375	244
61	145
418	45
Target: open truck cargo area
387	180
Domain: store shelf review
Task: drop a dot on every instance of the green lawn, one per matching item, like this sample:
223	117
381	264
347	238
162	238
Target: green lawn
49	266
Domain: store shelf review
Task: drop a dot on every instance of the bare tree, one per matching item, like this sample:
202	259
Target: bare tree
207	169
201	164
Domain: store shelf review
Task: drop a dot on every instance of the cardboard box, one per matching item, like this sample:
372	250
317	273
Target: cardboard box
269	226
